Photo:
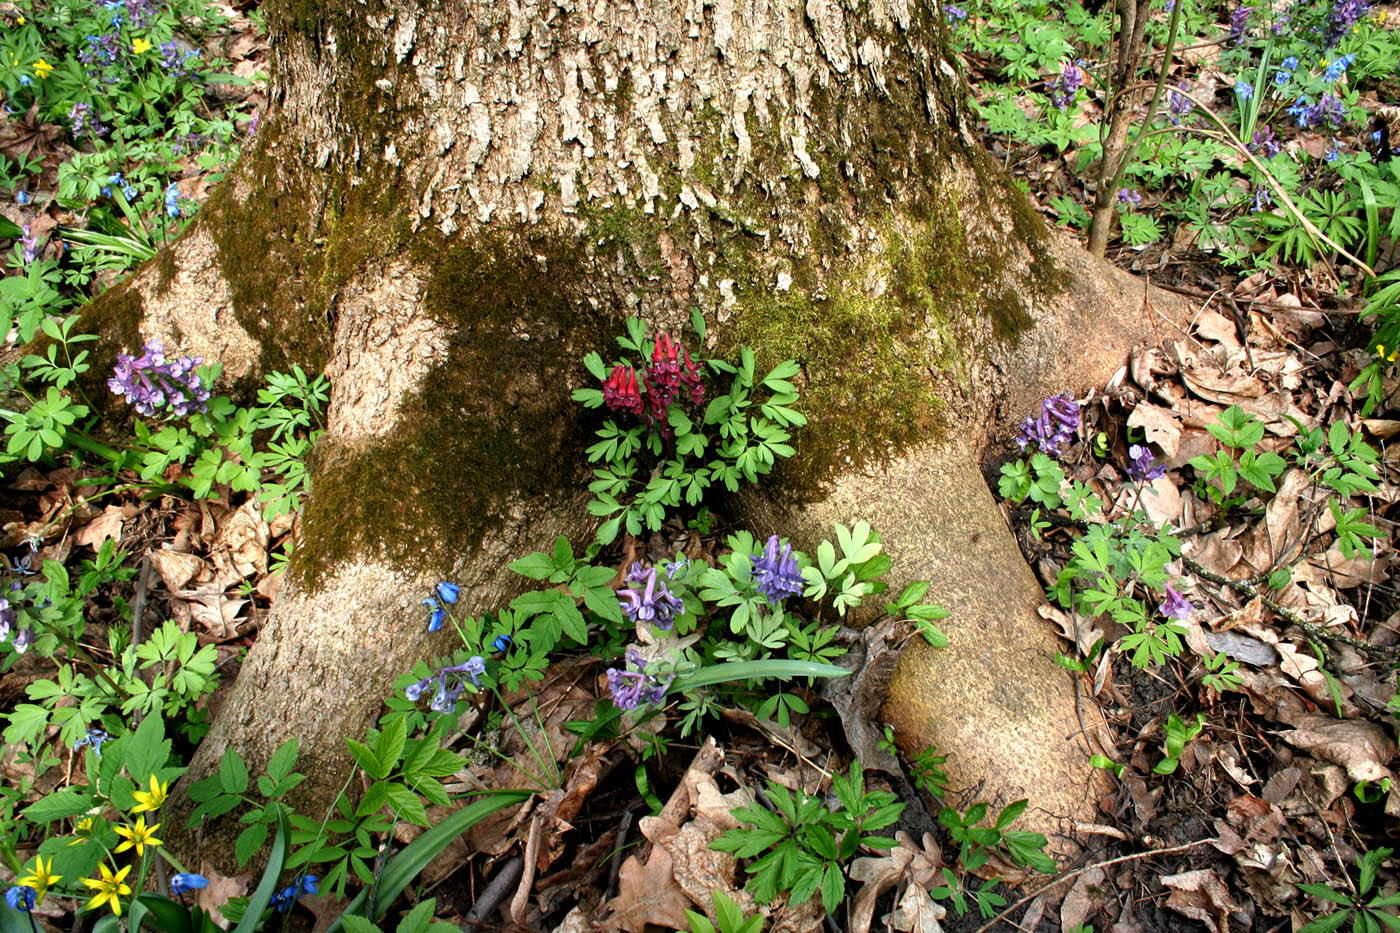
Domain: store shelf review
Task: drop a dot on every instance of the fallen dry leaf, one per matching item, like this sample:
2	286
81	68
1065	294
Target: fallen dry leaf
219	891
648	894
916	912
176	569
1084	899
1160	426
1201	895
107	525
1362	748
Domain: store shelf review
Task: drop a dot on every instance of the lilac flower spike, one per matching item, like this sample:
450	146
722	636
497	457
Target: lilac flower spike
1175	606
775	574
1143	468
1054	428
651	602
954	14
1239	23
632	686
154	384
1264	143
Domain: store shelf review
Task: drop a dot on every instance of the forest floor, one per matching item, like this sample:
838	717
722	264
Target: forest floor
1285	779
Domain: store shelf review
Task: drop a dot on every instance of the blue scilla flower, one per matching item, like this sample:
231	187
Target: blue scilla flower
22	197
1338	68
448	592
21	897
172	200
187	881
502	643
95	738
1244	90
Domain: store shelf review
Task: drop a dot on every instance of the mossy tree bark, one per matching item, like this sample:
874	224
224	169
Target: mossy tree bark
450	203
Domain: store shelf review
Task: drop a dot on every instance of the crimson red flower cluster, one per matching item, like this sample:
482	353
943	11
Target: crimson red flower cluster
671	367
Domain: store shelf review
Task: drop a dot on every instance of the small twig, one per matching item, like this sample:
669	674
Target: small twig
1061	879
615	865
495	891
527	877
1314	631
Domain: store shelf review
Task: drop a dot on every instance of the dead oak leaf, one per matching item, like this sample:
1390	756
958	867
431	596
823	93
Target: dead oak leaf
648	894
1201	895
104	526
1362	748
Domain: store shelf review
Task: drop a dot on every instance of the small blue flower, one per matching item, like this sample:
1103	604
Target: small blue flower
448	592
187	881
435	623
95	738
172	200
1244	90
22	197
1332	154
502	643
1338	68
21	897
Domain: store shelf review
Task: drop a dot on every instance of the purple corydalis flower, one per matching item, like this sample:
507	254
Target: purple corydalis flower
621	391
7	618
187	881
29	245
1054	428
651	602
1063	88
1239	23
1175	606
631	685
1264	142
954	14
1328	109
1262	199
154	384
1344	15
22	640
1179	106
449	684
775	573
1130	196
1141	466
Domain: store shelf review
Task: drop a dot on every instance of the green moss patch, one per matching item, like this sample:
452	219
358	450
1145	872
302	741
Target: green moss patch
491	424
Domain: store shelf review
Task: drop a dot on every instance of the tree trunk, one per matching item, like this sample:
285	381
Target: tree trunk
450	203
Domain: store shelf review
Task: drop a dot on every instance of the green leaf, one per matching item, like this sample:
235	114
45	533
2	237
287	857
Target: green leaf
367	759
252	915
233	773
60	805
400	870
360	925
249	842
536	566
745	670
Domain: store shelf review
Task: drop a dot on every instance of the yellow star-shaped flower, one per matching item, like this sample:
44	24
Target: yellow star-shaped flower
139	46
40	877
42	69
153	799
109	888
138	835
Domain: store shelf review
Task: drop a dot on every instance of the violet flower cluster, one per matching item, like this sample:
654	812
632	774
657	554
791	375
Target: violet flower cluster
1264	143
1175	606
1239	24
1063	88
954	14
671	368
1178	105
775	573
84	121
1142	467
1329	109
156	385
450	684
22	637
633	685
648	599
1344	15
1054	428
1130	197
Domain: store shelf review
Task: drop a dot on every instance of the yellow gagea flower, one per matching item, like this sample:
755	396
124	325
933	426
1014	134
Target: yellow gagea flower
137	836
40	877
138	46
153	799
109	888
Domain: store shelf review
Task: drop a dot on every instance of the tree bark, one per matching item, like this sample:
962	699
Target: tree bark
450	203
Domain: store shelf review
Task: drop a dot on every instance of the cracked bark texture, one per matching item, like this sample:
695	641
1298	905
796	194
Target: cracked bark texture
451	202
